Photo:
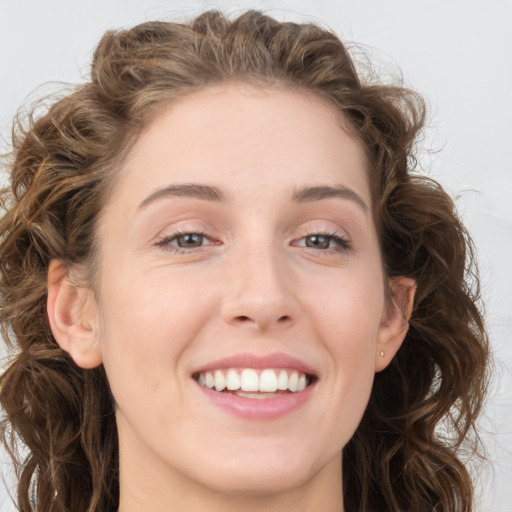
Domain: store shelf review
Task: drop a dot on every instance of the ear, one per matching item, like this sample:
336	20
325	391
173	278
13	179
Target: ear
395	320
73	317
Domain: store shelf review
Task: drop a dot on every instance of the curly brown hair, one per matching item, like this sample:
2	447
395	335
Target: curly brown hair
61	173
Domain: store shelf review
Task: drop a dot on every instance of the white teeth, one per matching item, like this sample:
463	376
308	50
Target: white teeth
232	380
267	382
302	383
220	381
293	382
249	380
210	381
282	381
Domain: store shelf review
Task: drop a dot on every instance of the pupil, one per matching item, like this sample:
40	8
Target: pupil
317	241
190	240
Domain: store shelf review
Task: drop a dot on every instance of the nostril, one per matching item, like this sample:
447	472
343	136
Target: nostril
262	321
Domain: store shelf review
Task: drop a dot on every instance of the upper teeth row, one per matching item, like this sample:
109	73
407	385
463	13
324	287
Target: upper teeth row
249	380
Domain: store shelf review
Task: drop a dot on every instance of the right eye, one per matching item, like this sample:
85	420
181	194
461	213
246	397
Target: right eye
189	240
184	241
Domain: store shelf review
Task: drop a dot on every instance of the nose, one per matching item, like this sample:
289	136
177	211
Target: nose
260	292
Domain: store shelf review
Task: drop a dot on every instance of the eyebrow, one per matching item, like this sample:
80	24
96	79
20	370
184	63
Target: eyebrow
205	192
310	194
213	193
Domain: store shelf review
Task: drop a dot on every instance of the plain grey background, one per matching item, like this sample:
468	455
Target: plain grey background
457	53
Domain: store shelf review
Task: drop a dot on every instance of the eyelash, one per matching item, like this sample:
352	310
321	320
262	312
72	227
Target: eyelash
343	245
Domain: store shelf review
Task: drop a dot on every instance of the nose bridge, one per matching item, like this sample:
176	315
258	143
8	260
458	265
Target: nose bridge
260	291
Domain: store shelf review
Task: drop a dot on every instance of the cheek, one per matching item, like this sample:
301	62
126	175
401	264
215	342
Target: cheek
146	328
349	305
348	318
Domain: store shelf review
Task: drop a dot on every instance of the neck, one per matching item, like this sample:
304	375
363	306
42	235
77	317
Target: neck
213	502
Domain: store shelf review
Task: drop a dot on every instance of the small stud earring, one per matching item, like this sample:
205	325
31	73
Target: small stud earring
382	354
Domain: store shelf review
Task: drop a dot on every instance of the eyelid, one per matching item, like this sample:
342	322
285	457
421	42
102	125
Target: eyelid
176	226
322	227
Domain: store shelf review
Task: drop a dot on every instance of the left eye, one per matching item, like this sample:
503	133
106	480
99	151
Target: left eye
323	242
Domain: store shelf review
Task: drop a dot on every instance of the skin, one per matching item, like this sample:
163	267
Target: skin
254	285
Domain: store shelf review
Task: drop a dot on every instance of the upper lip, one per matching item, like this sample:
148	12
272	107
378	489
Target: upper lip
247	360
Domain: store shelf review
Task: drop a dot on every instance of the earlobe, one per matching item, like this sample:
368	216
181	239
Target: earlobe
73	317
395	320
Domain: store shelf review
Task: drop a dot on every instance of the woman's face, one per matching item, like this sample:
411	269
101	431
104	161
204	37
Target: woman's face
239	249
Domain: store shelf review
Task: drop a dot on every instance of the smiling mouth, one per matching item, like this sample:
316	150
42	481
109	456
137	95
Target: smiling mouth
252	383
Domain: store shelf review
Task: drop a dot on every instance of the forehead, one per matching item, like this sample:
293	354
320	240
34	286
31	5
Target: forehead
236	107
236	132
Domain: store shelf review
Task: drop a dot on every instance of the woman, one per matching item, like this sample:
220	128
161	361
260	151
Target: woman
227	289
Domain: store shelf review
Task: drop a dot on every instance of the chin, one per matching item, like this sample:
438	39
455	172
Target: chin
260	481
268	475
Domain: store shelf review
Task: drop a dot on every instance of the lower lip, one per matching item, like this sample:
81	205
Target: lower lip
258	409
